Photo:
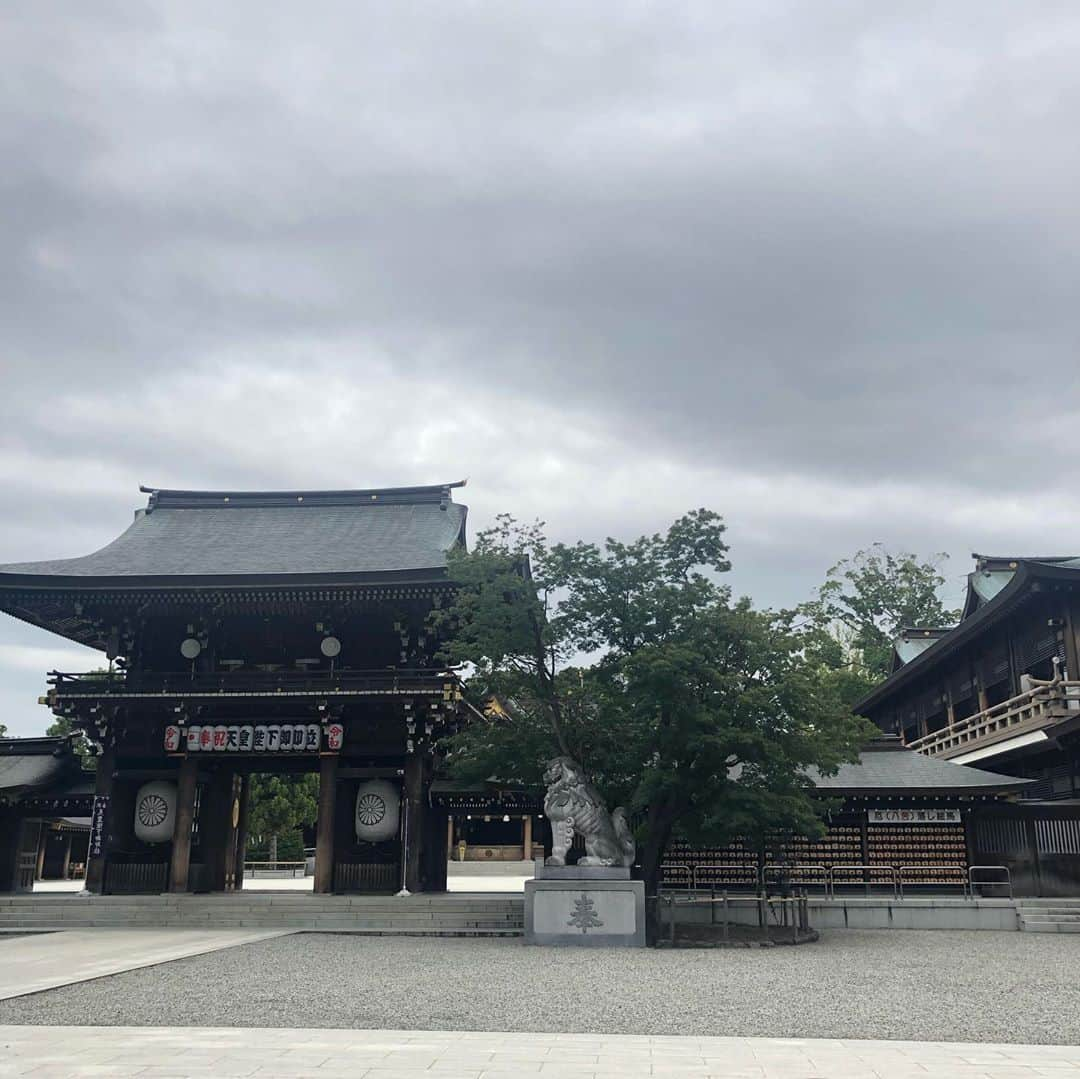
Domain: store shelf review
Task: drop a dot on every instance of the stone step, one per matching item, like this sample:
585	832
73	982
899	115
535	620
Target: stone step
265	898
1055	912
1048	925
431	915
214	910
46	921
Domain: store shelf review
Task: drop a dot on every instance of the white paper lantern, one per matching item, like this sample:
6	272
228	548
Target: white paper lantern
155	811
378	805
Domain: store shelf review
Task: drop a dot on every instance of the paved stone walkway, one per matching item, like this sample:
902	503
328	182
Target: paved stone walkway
32	962
391	1054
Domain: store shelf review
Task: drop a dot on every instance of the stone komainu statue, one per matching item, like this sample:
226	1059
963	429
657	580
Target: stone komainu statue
573	805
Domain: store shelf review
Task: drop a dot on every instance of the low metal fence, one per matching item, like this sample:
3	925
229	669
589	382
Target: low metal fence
932	876
273	869
691	879
796	875
781	912
973	883
750	873
866	872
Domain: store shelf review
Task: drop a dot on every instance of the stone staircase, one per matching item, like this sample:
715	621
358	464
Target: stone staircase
417	915
1048	915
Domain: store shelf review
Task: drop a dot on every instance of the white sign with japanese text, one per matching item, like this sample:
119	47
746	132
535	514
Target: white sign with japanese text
248	738
913	816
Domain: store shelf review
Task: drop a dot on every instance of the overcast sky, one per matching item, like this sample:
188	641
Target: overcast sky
814	266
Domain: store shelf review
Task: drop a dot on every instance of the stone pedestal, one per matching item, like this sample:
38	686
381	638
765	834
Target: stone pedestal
585	907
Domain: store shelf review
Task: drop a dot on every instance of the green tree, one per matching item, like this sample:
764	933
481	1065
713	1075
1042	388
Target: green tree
865	601
280	805
62	727
701	714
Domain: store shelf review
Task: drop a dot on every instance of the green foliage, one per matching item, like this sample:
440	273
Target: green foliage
61	727
289	848
698	713
280	806
865	601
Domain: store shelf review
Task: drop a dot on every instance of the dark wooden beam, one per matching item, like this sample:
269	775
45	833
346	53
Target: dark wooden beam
415	805
103	788
185	819
324	835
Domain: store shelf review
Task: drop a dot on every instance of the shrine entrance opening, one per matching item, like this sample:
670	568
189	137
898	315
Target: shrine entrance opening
487	823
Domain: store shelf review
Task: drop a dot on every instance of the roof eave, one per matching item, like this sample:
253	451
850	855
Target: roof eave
46	582
918	792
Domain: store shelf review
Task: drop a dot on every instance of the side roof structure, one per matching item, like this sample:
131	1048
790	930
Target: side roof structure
887	767
32	765
996	587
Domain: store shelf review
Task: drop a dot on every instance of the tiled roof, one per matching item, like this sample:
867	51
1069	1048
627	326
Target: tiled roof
886	766
220	533
28	764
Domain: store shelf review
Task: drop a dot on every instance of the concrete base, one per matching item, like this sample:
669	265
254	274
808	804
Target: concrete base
875	913
579	872
585	912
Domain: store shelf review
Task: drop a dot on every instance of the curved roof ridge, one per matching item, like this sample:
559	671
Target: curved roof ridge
196	499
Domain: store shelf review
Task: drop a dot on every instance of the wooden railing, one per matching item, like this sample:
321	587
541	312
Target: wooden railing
1042	706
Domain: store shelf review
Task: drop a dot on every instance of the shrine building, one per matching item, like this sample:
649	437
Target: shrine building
244	633
247	633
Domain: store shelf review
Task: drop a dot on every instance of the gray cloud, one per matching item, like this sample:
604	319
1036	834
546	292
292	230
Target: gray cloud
812	266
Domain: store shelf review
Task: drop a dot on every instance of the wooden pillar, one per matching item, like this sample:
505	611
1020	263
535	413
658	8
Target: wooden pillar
103	790
216	829
66	868
415	804
449	836
11	828
185	820
1014	671
864	847
1033	852
242	831
27	865
527	843
43	839
436	850
324	834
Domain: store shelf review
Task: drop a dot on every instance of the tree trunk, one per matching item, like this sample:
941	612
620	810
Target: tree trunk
661	820
273	848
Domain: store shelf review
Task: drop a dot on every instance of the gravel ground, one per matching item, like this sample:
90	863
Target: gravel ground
940	986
